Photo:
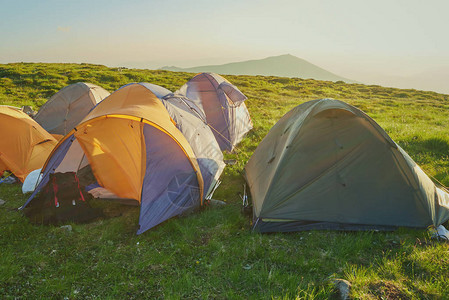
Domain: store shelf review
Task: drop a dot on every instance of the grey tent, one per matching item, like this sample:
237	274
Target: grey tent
327	165
221	105
65	109
196	132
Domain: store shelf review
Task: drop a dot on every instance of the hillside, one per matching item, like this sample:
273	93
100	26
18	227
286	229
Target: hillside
284	65
213	253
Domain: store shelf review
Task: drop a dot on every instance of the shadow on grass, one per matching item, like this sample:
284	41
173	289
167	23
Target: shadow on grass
431	151
434	147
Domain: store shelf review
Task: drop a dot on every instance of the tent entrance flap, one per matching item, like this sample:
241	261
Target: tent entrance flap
116	152
171	184
74	160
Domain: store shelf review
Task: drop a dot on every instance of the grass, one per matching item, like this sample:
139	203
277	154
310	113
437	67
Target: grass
213	254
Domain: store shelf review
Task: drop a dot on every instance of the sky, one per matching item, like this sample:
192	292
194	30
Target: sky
387	42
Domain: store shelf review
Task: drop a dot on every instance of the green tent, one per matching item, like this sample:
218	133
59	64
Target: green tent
327	165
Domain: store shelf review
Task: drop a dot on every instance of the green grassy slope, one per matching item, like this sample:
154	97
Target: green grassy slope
213	254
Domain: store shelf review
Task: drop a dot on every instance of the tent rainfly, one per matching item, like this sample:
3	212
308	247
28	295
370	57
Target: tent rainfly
197	133
135	152
65	109
327	165
221	105
24	144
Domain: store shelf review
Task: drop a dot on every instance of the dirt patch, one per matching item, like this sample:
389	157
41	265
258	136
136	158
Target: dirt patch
202	240
387	290
205	239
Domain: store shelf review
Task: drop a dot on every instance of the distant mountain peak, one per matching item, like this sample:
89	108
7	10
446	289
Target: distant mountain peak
284	55
285	65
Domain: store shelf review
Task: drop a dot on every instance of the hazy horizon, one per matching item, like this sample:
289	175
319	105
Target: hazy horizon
391	43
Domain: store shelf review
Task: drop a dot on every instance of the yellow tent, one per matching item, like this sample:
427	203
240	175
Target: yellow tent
136	152
24	144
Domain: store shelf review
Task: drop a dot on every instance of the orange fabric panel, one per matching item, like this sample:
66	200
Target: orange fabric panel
133	100
116	152
2	166
24	144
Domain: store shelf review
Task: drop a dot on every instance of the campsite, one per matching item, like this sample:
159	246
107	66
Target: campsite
213	253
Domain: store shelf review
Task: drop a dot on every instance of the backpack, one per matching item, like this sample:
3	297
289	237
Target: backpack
62	199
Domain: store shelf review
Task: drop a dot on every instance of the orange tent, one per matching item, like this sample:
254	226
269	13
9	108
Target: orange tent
135	152
24	144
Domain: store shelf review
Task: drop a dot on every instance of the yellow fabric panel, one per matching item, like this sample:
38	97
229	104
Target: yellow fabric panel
136	102
116	152
24	144
40	154
58	137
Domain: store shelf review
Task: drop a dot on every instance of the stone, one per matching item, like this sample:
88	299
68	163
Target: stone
67	227
214	202
343	287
